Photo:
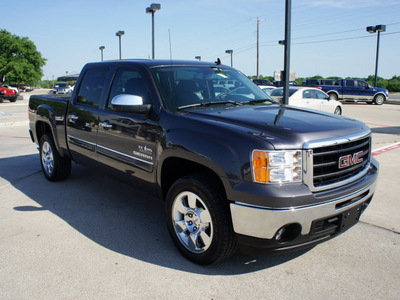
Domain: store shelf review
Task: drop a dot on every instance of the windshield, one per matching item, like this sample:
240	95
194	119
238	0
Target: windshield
192	86
61	85
279	92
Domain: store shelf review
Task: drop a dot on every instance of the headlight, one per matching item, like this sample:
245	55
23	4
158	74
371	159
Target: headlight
277	166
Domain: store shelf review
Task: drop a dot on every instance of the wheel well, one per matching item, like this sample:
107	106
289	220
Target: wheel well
41	129
382	94
175	168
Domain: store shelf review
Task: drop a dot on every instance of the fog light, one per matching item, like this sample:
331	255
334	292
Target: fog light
288	233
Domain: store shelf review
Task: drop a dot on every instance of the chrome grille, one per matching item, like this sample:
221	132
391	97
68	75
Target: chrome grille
322	169
326	168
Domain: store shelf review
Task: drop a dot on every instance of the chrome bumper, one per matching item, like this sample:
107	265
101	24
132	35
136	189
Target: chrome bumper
262	222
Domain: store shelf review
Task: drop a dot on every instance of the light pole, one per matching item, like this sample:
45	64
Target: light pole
151	10
231	53
286	61
119	34
101	49
373	29
198	58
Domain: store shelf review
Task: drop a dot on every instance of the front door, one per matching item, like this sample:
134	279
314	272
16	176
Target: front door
127	141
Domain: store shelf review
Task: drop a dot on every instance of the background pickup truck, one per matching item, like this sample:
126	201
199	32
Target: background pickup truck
7	94
350	89
233	168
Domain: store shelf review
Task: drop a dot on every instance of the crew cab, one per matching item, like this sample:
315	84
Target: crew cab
350	90
233	168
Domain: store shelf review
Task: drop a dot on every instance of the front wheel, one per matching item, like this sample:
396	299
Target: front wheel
338	111
199	221
379	99
54	166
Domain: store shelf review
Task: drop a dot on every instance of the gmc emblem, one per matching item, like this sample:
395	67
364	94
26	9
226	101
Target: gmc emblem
348	160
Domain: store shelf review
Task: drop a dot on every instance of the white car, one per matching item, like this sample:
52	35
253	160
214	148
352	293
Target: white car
311	98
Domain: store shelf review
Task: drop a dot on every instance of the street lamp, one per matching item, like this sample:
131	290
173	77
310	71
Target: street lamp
198	58
231	53
101	49
151	10
373	29
119	34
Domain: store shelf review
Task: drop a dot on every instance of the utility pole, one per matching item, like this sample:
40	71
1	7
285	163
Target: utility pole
258	20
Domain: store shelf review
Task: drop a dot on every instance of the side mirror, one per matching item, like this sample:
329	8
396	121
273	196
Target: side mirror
130	103
367	87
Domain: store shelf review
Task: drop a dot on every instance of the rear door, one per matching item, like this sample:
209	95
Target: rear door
82	115
350	89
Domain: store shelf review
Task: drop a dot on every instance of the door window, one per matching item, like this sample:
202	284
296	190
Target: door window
321	95
128	81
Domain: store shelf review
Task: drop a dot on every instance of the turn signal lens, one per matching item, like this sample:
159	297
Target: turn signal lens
277	166
260	166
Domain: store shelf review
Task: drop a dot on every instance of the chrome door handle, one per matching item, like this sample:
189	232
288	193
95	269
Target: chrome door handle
105	125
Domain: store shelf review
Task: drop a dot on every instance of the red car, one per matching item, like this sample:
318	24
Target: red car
7	94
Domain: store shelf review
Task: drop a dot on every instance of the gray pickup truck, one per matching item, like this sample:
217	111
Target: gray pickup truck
233	167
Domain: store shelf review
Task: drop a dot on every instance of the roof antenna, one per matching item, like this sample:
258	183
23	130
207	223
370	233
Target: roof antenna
170	47
218	62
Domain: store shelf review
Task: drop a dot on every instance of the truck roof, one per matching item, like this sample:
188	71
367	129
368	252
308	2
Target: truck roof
163	62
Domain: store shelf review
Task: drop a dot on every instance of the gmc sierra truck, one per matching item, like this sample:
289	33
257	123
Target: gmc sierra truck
235	169
350	90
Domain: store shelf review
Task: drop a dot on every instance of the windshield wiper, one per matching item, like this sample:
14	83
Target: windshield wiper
208	104
258	101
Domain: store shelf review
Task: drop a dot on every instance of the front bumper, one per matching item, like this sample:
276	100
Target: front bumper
259	227
8	97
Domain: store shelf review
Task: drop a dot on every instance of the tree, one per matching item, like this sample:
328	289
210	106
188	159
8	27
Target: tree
20	61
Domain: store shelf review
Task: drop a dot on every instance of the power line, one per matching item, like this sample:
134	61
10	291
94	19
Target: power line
344	39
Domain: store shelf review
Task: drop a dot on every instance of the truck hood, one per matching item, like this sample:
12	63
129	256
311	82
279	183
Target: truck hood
283	126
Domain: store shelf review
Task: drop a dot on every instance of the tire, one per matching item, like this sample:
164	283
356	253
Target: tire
54	166
379	99
13	99
338	111
333	96
199	220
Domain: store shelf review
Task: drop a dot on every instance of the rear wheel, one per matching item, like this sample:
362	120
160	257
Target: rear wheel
333	96
379	99
54	166
199	221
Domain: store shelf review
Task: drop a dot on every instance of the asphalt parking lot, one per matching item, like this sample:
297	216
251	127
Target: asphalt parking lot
91	237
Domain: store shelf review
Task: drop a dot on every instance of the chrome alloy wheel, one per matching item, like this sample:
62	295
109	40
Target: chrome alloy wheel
47	158
192	222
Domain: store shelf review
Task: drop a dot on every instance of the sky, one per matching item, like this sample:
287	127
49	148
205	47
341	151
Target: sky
329	37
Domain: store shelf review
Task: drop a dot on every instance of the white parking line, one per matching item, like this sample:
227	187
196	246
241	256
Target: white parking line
385	149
